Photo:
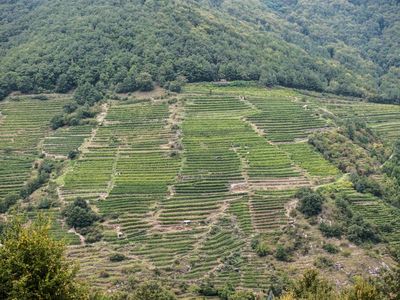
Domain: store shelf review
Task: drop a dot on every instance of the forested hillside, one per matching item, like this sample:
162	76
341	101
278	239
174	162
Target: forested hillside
200	149
345	47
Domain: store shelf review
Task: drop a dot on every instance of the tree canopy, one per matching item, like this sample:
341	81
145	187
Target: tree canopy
128	45
33	266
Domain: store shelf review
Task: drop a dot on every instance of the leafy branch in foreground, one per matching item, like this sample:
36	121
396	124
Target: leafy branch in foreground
33	265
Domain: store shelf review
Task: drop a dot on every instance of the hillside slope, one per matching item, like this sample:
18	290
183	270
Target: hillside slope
48	45
200	189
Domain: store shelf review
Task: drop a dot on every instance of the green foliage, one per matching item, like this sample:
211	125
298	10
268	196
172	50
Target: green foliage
310	202
74	115
281	253
330	231
87	94
92	234
260	247
45	203
108	45
346	155
364	184
57	121
361	231
144	82
33	266
362	289
116	257
152	291
207	288
73	154
323	262
43	175
70	107
127	85
388	283
177	85
392	166
8	201
242	295
79	214
330	248
311	286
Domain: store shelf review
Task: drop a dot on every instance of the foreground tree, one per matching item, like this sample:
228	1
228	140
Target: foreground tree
33	266
152	291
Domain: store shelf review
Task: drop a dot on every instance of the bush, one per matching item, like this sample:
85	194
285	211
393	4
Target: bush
35	183
79	215
40	97
262	249
331	231
70	107
362	232
310	202
208	288
87	94
152	291
330	248
127	85
73	154
281	253
311	286
243	295
45	203
144	82
175	86
57	122
92	234
33	265
116	257
323	262
8	201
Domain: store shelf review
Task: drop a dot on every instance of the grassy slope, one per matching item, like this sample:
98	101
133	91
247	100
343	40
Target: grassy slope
221	146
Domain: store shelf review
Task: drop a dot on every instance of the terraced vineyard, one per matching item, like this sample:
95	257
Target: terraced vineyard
24	121
184	182
189	181
385	119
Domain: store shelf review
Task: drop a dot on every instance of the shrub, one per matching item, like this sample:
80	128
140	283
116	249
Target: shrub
330	248
144	82
33	265
262	249
152	291
323	262
310	202
8	201
207	288
331	231
35	183
116	257
362	232
92	234
311	286
243	295
57	122
40	97
45	203
73	154
175	86
79	215
281	253
70	107
87	94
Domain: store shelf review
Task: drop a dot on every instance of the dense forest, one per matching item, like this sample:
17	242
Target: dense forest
344	47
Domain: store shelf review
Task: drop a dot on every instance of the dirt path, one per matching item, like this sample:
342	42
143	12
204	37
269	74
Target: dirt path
81	237
100	120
